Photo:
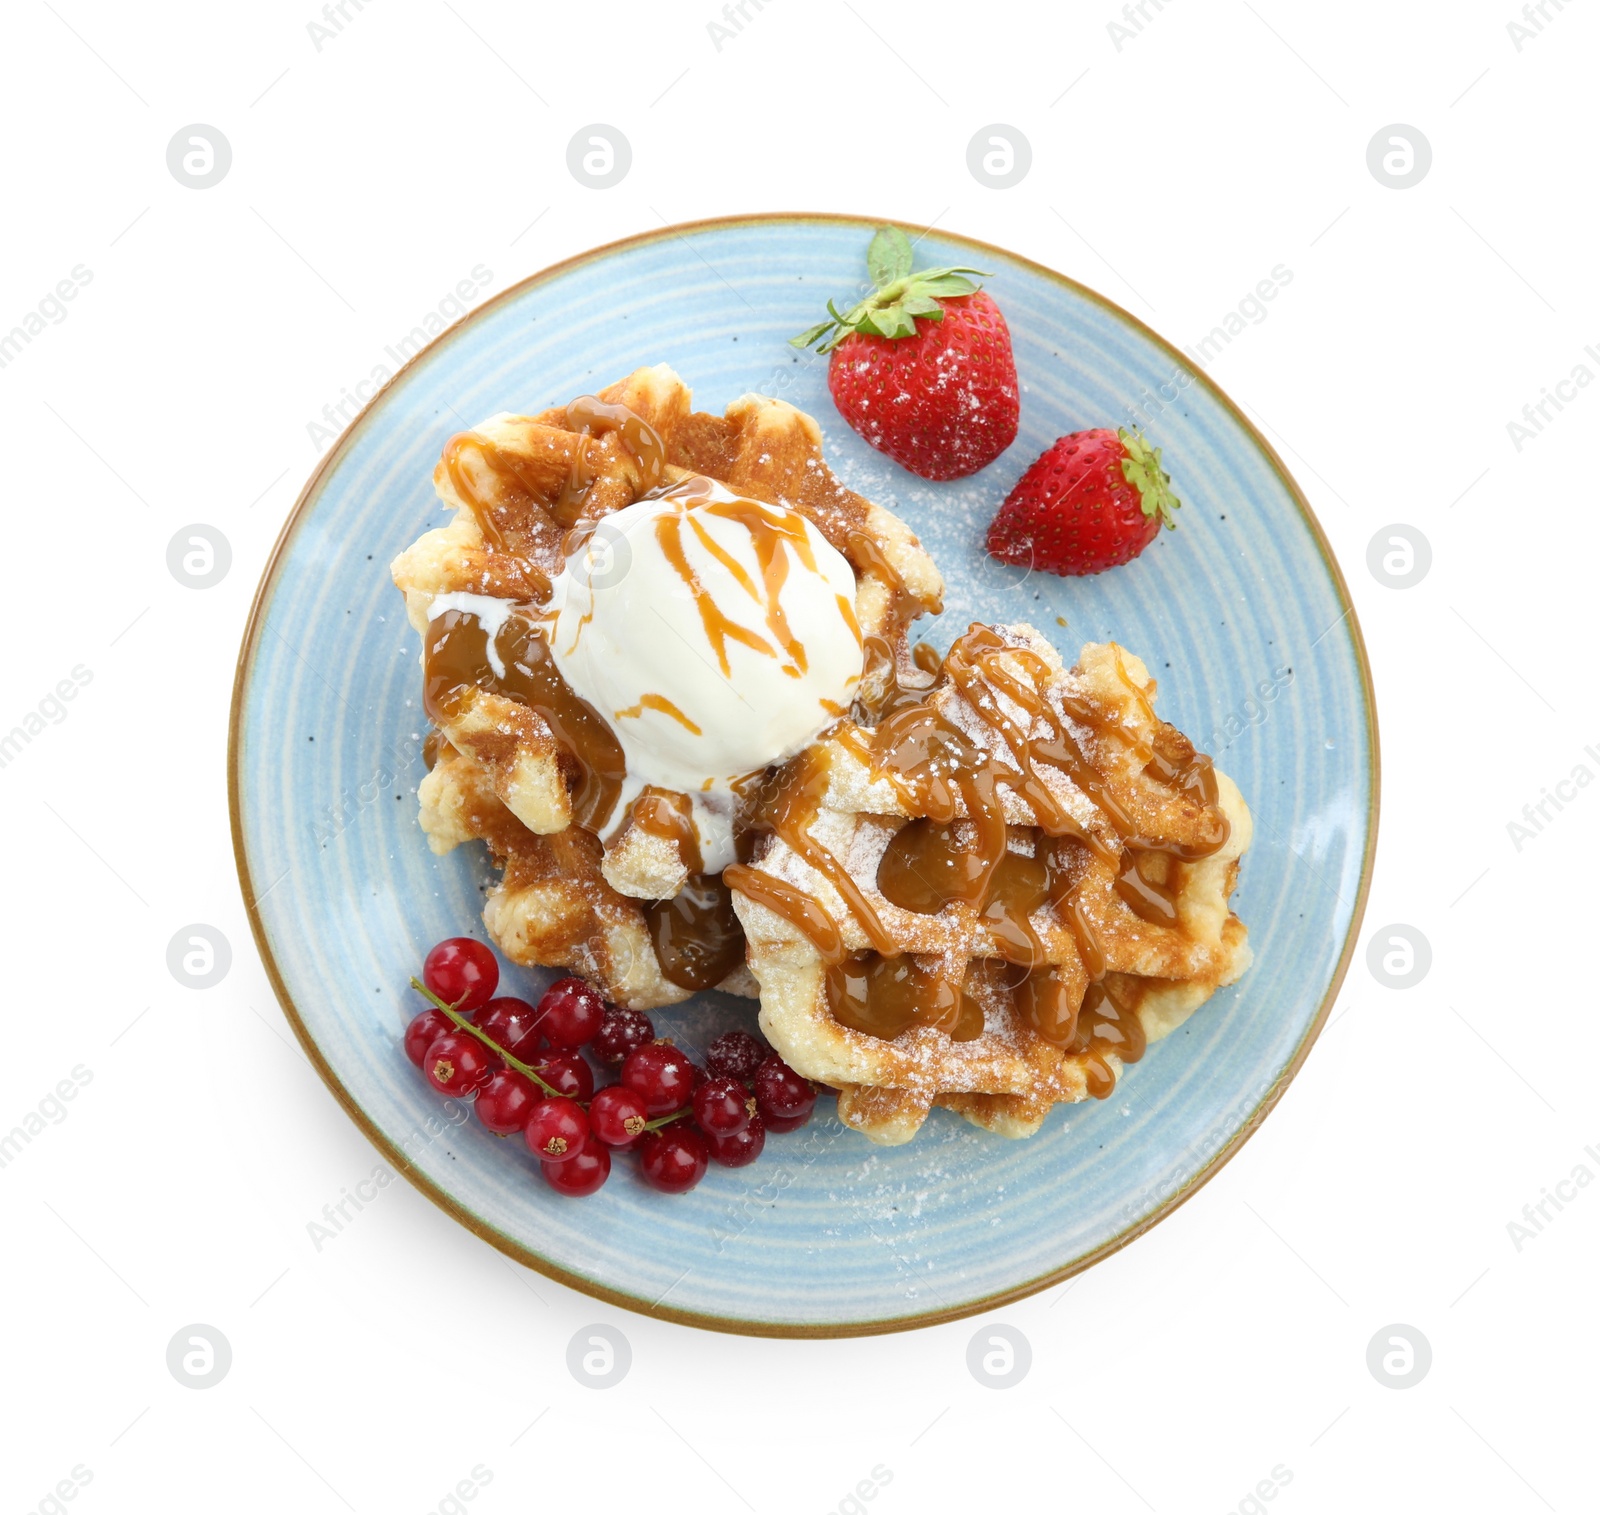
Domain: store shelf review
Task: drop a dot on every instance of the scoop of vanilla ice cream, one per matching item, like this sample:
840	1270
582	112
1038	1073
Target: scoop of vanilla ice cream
715	634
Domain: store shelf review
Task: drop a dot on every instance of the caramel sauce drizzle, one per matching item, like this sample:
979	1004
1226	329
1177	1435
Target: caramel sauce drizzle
938	771
786	801
1017	888
509	472
878	672
847	613
667	814
661	703
969	1017
772	557
1107	1021
883	996
1104	1025
719	628
1046	1001
1197	778
1090	950
792	904
592	417
868	552
1135	692
925	867
774	534
456	663
696	935
516	477
1152	900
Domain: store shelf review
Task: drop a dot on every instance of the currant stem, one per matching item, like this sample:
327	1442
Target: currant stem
666	1120
461	1021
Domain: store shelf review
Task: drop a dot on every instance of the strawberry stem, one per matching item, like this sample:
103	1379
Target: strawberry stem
899	296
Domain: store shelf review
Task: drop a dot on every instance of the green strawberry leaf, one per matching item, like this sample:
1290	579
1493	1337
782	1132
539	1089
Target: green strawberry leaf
895	322
810	335
945	284
898	299
889	256
1142	468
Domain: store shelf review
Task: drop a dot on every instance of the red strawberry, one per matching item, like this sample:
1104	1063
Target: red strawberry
1090	502
922	368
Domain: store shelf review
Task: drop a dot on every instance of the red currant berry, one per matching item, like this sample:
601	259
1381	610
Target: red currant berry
741	1148
620	1032
673	1159
462	972
556	1129
458	1064
424	1031
661	1075
722	1106
567	1074
570	1012
736	1054
512	1024
581	1173
507	1100
783	1123
617	1116
781	1094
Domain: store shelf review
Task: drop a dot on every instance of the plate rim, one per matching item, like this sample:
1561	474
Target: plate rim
514	1249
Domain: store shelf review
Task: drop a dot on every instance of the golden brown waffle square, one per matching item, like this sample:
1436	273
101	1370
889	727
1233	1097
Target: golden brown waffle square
1007	1076
521	487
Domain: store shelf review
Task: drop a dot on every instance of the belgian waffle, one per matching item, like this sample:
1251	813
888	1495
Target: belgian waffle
524	489
1112	849
552	906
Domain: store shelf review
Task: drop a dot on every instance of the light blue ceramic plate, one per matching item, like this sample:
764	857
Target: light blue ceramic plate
826	1235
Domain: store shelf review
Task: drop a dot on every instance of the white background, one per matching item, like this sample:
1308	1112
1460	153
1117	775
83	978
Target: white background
369	177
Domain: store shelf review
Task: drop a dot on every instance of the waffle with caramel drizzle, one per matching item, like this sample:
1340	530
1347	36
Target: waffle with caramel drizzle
991	888
531	769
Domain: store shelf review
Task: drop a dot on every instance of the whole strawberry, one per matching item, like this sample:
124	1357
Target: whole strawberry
922	368
1092	501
